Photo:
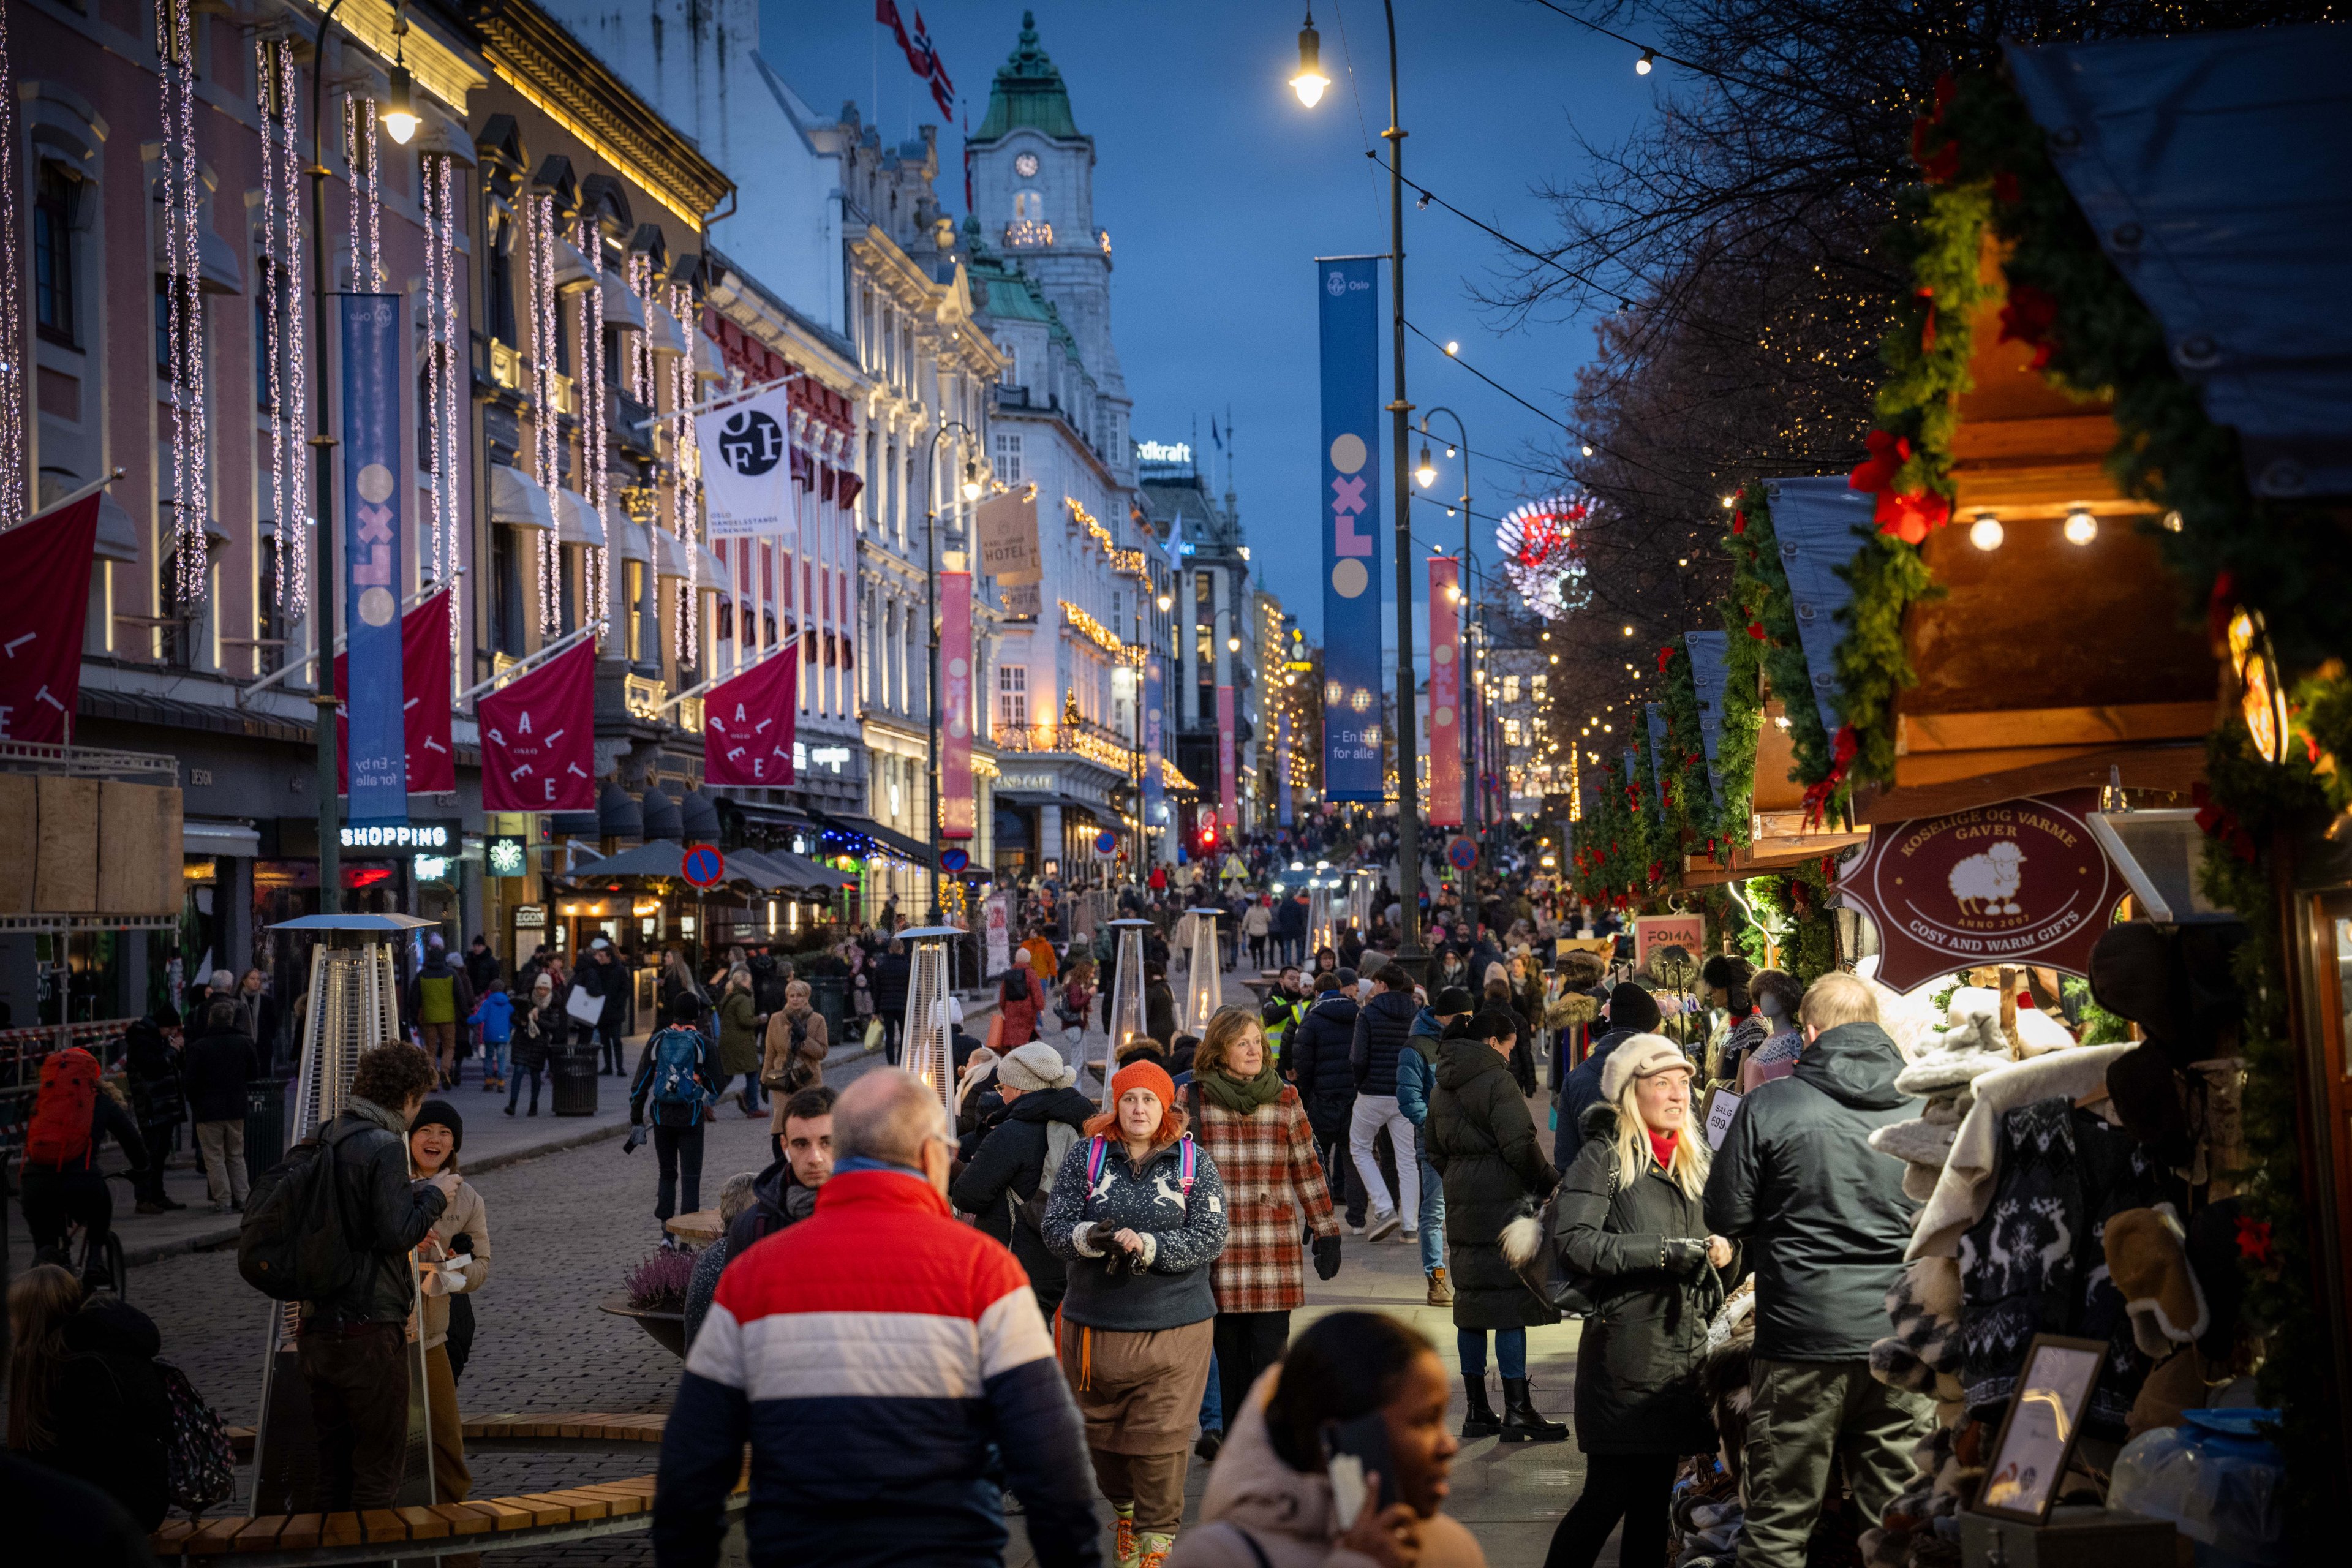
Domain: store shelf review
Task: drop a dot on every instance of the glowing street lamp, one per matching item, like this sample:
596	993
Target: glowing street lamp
1311	81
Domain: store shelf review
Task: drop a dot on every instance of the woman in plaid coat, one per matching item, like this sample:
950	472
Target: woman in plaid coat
1250	1121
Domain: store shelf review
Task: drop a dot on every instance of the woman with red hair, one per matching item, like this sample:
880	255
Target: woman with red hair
1138	1213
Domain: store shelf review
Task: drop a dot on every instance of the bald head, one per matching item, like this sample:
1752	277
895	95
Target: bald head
887	1115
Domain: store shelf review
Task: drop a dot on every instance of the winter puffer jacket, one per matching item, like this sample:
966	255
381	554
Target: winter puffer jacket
1019	1012
1187	1230
1637	1390
1321	1044
1824	1211
1382	1026
1003	1174
386	1214
777	1202
1482	1143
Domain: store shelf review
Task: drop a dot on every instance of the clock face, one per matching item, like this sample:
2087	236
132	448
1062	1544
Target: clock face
1025	166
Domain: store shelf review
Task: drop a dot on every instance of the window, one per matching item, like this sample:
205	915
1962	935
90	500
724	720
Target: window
1012	696
1510	732
1008	459
634	584
1028	206
1011	376
497	278
1535	687
53	256
1511	688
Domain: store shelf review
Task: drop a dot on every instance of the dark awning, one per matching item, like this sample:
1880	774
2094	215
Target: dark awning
887	840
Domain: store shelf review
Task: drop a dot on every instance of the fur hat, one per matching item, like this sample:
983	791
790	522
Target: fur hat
1644	1056
1145	1075
1035	1066
2148	1262
1918	1141
1631	1007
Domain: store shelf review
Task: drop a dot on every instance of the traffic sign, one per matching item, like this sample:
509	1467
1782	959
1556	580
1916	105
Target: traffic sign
1462	854
953	861
1106	842
703	864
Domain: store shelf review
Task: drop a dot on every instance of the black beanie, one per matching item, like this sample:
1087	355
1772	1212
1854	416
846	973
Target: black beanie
446	1114
1631	1007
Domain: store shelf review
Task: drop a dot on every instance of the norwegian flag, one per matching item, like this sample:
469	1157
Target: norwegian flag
942	89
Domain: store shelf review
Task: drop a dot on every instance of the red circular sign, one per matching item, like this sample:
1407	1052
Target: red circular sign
703	864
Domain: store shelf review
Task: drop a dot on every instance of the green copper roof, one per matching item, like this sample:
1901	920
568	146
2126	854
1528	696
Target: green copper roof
1028	91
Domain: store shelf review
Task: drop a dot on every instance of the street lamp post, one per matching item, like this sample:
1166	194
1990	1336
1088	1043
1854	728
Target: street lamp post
1427	474
931	610
1309	84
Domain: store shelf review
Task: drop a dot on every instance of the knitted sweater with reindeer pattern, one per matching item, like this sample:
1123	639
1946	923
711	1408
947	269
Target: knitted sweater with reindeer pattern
1183	1231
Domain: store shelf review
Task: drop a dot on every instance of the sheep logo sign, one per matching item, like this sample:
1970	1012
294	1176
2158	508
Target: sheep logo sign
2022	881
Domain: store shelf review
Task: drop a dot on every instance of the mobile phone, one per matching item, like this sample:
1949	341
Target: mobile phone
1353	1453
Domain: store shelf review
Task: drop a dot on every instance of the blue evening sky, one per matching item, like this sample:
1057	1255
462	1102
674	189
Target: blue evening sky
1218	189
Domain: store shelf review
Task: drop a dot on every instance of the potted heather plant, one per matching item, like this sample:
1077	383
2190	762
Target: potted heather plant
656	1297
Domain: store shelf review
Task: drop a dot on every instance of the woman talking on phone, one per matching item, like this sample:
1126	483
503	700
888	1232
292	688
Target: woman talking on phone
1340	1455
1629	1220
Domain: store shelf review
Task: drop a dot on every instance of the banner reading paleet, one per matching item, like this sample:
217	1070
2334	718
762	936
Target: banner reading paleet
1444	804
1351	501
956	810
1154	811
1282	725
374	485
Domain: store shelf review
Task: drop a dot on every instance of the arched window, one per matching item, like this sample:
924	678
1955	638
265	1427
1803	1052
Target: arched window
1029	206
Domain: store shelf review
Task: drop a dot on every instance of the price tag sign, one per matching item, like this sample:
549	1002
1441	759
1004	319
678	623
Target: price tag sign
1720	1104
703	865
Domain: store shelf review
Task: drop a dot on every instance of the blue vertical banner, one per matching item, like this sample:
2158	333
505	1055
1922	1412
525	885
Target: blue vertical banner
1351	510
374	490
1155	811
1282	768
1661	755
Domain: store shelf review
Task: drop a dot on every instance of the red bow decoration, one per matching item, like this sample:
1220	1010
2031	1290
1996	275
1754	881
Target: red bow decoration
1756	630
1888	453
1665	658
1942	165
2028	317
1927	326
1911	515
2254	1240
1657	872
1739	524
1817	795
2218	821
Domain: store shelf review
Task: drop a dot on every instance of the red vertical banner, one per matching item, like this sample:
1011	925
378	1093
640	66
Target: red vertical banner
44	568
1444	808
538	737
425	707
956	811
748	724
1229	811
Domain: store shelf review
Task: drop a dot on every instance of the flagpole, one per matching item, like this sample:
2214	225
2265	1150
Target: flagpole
524	666
343	644
721	400
694	691
84	493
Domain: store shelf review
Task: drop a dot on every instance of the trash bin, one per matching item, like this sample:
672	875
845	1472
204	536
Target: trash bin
265	1125
829	995
573	1070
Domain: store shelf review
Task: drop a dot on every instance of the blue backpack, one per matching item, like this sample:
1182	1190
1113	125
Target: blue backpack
676	1054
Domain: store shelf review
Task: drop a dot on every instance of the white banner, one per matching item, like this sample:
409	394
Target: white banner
747	468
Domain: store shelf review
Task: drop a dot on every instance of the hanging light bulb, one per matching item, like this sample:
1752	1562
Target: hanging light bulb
970	479
1985	532
1449	448
399	109
1311	81
1641	66
1426	472
2081	526
1588	448
1232	645
1453	347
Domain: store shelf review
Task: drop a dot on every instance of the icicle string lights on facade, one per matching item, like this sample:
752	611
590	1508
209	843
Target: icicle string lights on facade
641	347
594	484
539	235
362	176
686	481
443	282
15	502
294	413
183	198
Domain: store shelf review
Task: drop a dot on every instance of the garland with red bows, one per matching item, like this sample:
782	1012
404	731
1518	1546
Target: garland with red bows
1759	618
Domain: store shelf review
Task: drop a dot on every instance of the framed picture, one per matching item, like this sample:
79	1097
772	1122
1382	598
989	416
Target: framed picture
2038	1433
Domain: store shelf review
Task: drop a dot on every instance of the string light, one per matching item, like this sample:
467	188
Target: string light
276	293
545	313
591	380
176	53
15	502
686	481
444	283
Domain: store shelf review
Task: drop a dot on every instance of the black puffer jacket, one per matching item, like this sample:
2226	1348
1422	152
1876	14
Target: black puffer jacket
1005	1173
1482	1143
109	1410
386	1214
1822	1211
1383	1025
152	1066
1636	1386
1320	1046
217	1068
777	1203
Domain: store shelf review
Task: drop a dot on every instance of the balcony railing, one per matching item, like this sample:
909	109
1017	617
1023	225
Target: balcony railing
1095	743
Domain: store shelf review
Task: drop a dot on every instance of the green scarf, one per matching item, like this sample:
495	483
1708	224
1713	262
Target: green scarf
1243	1095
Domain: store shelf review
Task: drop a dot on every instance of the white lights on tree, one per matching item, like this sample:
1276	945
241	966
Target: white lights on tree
1543	559
546	323
14	501
182	201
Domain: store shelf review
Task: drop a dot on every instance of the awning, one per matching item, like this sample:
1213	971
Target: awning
576	521
790	818
810	873
699	814
885	838
662	335
714	571
670	556
628	539
618	815
622	306
118	539
216	536
658	857
660	811
571	268
709	364
199	835
516	500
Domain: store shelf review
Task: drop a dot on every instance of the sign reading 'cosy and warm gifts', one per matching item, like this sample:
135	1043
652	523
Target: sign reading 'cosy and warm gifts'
2020	882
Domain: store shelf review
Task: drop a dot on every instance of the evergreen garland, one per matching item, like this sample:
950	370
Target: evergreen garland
1690	799
1761	610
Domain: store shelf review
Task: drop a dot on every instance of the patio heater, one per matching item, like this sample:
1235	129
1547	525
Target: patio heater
1127	1014
929	1052
1204	978
1320	934
1359	902
354	1007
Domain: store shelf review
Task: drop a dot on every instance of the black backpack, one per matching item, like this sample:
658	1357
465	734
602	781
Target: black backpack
294	1246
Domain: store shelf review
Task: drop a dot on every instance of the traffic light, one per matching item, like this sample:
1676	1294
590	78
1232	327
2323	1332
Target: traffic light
1208	838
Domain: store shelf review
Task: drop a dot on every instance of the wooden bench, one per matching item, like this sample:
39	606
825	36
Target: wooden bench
480	1524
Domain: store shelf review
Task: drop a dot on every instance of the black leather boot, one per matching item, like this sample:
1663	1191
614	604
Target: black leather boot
1522	1422
1479	1419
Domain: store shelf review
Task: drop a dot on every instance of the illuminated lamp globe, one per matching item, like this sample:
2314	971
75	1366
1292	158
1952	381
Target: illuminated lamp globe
400	116
2081	526
1311	81
1985	532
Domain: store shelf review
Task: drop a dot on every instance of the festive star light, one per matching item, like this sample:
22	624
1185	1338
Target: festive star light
1542	558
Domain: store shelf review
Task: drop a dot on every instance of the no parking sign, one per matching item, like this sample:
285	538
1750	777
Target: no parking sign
703	864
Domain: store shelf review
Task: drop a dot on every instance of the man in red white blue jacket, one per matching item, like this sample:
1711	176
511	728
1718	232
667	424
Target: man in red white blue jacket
889	1370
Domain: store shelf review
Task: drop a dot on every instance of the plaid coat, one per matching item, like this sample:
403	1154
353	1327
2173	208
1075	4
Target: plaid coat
1272	1179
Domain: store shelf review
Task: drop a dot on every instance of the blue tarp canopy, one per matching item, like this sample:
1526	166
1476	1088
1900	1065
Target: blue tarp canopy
1708	657
1657	719
1816	520
2214	167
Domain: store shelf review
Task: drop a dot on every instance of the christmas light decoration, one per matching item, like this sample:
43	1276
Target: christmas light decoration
282	223
444	283
15	502
185	322
685	478
595	483
546	455
1542	558
362	179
